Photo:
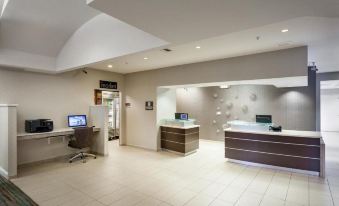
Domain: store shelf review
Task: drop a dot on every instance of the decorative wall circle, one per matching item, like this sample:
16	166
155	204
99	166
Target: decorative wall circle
221	100
214	121
228	114
218	108
218	130
253	97
215	95
244	108
229	105
218	113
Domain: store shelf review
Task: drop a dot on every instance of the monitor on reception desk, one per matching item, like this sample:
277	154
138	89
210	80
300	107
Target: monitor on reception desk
264	119
77	121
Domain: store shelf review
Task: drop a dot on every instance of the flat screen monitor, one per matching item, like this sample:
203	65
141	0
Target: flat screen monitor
264	119
77	121
181	116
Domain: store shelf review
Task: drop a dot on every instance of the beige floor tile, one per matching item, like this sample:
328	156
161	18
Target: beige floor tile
200	200
271	201
231	194
219	202
213	190
149	202
181	198
132	176
249	199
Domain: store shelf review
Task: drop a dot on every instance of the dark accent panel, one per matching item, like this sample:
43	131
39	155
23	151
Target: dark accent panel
173	137
278	148
273	138
173	146
179	131
191	137
272	159
189	147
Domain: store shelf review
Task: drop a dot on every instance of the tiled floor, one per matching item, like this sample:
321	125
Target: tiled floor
131	176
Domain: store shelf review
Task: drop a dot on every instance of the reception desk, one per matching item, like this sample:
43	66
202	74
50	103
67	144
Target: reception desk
298	150
180	139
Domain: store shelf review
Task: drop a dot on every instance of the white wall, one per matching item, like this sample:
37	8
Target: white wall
292	108
329	110
141	125
51	96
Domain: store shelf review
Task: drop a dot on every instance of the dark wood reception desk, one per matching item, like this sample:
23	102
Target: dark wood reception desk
183	140
301	150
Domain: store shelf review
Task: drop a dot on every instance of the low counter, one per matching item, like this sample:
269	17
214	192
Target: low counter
301	150
183	140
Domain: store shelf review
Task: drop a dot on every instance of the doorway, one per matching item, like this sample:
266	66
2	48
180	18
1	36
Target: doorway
111	99
329	106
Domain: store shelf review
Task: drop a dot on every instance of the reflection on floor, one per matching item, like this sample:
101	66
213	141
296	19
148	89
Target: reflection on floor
131	176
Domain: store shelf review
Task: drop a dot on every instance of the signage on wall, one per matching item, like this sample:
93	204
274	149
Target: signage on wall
108	85
149	105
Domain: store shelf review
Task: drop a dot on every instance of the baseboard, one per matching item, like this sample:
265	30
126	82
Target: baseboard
275	167
3	172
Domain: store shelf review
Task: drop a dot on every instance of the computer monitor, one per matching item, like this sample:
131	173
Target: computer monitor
181	116
264	119
77	121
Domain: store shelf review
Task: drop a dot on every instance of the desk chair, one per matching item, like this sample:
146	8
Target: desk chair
82	139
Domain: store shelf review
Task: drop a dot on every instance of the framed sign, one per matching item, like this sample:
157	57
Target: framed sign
108	85
149	105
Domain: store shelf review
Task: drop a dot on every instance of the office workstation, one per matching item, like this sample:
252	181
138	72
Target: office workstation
180	103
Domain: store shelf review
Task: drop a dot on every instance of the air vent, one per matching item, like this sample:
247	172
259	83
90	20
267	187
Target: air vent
167	50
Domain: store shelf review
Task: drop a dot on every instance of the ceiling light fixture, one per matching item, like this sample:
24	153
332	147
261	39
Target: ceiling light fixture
197	47
145	58
224	86
284	30
110	66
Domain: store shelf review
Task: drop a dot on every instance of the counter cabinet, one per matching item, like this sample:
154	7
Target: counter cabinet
183	140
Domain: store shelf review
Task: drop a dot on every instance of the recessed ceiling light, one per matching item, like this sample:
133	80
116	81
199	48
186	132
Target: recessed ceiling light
224	86
110	66
197	47
284	30
145	58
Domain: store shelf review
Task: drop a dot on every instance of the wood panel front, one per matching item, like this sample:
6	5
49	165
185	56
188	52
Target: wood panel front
284	151
273	138
273	147
180	140
275	160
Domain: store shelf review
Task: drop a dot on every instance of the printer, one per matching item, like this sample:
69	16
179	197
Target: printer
38	126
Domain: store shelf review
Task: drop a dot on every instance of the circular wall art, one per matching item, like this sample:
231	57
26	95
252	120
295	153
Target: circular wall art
253	97
221	100
218	113
214	121
244	108
229	105
218	108
218	130
228	114
215	95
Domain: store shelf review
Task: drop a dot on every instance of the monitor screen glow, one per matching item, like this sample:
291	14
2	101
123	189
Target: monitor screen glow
77	121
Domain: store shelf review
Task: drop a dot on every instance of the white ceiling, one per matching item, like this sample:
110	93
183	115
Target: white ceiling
179	21
299	81
50	35
311	31
330	84
42	27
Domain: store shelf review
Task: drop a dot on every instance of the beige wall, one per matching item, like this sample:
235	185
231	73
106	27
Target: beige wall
51	96
141	127
292	108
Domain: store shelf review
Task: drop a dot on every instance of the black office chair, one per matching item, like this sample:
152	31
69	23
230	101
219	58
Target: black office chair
82	139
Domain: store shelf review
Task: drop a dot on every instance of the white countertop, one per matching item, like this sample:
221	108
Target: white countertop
55	132
181	127
8	105
294	133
